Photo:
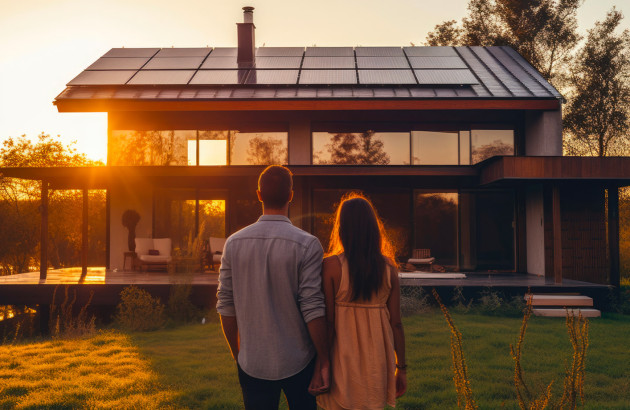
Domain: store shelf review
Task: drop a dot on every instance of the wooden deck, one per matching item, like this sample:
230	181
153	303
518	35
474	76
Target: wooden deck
27	289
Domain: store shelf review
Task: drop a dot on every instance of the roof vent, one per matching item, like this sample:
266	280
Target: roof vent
246	39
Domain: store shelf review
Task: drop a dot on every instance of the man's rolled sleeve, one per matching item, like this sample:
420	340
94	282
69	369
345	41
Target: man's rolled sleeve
225	297
310	295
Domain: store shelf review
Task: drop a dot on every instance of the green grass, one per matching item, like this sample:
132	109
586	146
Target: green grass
190	366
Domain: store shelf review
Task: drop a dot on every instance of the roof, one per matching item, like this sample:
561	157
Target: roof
311	73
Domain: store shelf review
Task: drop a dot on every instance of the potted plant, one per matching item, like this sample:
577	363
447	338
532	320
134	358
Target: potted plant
130	219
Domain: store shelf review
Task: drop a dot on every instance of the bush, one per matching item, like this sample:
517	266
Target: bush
139	311
64	324
413	300
494	303
179	308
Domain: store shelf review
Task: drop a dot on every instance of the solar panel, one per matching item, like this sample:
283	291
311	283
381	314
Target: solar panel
278	62
131	52
219	77
173	63
382	62
430	51
328	77
280	51
446	77
328	62
116	77
506	78
124	63
220	62
329	52
379	52
437	62
184	52
159	77
224	52
272	77
386	77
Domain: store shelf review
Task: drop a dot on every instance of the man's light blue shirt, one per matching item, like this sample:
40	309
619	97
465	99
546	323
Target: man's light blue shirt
270	279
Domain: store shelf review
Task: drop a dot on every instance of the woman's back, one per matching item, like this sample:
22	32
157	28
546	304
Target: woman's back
363	358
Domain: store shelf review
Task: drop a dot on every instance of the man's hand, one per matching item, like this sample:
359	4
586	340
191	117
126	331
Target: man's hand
401	382
321	377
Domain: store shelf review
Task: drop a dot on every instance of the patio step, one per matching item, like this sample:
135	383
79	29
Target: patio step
561	312
560	300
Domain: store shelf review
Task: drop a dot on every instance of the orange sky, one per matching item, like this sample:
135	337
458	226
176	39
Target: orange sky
44	43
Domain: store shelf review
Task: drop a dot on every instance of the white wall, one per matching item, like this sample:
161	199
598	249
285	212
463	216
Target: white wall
131	194
535	230
543	133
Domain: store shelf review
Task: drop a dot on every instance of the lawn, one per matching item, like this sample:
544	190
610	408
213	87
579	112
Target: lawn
190	367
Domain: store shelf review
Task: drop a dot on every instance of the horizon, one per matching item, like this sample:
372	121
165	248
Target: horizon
46	45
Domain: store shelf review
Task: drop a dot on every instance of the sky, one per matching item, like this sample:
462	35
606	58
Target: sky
44	44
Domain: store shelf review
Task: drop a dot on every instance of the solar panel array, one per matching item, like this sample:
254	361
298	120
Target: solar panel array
280	66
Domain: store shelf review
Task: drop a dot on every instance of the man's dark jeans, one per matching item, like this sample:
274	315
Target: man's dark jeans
260	394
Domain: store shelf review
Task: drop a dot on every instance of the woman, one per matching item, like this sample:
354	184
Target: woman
363	312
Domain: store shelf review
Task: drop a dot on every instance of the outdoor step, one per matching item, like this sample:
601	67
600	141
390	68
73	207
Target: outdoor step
560	300
557	312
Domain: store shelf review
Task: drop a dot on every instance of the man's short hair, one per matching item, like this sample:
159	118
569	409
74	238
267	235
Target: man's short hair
275	184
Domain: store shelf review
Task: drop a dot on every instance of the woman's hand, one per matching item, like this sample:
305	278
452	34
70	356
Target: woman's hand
401	382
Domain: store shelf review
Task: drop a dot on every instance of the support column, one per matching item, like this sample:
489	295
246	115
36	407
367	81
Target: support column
43	244
613	235
84	234
557	235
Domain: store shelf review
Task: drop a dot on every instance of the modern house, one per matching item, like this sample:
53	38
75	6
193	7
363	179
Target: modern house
460	149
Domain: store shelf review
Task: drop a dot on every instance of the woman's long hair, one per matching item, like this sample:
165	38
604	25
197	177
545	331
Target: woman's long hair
359	234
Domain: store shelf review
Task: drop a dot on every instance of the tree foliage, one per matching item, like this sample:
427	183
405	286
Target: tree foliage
544	32
597	116
355	148
20	213
266	151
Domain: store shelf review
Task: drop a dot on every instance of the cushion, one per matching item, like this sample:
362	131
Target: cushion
421	261
143	245
163	245
155	258
154	252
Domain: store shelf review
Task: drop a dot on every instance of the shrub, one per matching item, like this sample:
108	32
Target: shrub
494	303
413	300
139	311
64	324
179	307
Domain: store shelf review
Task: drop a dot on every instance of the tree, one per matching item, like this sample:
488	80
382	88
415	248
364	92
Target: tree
20	201
544	32
266	151
356	148
597	114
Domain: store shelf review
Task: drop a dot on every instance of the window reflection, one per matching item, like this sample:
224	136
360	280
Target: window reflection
488	143
361	148
213	147
128	147
258	148
435	147
435	225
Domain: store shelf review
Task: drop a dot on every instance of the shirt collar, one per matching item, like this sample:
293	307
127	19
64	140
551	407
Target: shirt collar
281	218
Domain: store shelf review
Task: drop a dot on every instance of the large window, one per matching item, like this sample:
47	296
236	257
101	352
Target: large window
488	143
431	146
361	148
435	225
197	147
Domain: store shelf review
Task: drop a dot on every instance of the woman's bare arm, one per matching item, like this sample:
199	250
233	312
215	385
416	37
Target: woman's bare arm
393	304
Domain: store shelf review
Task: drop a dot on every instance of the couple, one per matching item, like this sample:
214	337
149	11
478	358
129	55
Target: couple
335	332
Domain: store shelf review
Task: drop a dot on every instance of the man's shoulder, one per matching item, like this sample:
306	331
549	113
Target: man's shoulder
288	231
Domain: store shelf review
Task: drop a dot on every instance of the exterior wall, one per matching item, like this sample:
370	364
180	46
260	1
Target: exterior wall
134	195
535	230
543	133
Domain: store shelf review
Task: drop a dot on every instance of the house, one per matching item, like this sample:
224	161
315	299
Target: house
460	149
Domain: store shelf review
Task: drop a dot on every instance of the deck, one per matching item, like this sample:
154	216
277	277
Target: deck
27	289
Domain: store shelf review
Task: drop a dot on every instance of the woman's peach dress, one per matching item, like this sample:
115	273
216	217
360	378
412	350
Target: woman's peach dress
363	360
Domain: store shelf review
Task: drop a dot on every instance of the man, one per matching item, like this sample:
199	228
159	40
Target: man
271	303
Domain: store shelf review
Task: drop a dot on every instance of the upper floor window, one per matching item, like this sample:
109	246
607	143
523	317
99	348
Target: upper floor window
197	147
361	148
489	143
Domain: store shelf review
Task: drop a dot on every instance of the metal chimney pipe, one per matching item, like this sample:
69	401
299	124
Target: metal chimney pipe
248	14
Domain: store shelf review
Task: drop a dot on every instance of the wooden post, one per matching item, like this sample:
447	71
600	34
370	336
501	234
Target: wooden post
84	235
613	235
557	235
43	244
